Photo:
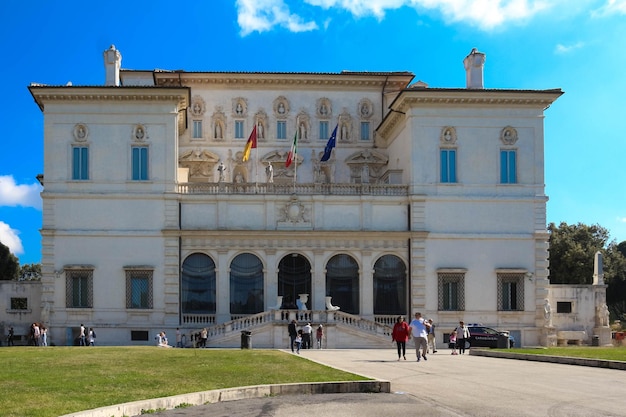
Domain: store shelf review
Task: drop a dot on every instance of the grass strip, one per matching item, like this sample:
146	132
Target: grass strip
589	352
52	381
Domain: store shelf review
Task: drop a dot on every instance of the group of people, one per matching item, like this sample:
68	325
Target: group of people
422	332
87	337
302	338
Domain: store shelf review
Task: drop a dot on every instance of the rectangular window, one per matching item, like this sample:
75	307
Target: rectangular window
281	129
365	130
508	167
324	130
80	163
140	163
139	335
239	129
197	129
451	292
19	303
563	307
448	165
510	292
139	289
79	288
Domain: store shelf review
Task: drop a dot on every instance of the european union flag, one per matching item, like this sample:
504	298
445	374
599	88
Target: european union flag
330	145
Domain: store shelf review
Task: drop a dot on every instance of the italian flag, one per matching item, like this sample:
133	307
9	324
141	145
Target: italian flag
293	151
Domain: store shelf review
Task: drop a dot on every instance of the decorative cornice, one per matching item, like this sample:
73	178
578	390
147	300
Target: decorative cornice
43	94
433	97
390	81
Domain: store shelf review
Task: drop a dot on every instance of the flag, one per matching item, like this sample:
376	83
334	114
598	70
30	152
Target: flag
330	145
293	151
249	145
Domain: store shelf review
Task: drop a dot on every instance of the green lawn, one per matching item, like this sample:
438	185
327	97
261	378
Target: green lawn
606	353
54	381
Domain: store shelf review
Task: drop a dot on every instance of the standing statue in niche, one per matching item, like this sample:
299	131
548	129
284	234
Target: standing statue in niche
218	131
344	131
547	313
259	131
303	133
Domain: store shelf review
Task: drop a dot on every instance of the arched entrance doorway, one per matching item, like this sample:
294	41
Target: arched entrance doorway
294	278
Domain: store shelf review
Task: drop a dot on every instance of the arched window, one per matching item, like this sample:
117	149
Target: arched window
342	283
246	284
294	278
198	285
390	287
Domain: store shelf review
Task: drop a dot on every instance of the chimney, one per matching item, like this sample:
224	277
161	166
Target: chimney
474	64
112	64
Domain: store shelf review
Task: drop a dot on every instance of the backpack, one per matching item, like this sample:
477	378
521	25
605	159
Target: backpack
93	332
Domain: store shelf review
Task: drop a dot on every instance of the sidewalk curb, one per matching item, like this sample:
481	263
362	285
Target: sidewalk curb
565	360
135	408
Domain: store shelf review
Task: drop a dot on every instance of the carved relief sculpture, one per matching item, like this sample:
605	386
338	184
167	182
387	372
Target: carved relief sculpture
324	108
240	107
80	132
139	133
448	135
508	136
198	106
281	107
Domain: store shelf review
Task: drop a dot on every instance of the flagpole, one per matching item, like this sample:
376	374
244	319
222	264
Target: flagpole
256	160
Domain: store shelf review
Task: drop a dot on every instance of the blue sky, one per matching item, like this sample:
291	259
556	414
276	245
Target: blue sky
577	46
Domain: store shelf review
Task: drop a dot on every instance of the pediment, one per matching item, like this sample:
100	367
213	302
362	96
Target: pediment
367	157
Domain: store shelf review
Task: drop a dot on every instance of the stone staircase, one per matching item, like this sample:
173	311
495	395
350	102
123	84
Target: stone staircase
269	330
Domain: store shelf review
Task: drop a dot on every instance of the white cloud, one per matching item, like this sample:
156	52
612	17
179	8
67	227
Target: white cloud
13	195
611	7
263	15
621	219
9	238
564	49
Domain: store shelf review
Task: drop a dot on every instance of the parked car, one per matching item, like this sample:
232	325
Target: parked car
482	336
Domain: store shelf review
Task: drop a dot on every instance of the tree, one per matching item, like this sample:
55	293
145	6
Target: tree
30	272
572	251
9	264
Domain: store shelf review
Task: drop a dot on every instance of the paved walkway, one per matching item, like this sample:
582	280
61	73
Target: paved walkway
445	385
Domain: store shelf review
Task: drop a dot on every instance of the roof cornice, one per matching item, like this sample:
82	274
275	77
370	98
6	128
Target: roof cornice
355	80
44	94
439	97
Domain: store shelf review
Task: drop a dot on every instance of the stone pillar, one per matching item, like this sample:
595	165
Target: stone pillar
318	281
367	286
222	308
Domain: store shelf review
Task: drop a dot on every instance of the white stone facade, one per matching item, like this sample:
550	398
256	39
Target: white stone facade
448	183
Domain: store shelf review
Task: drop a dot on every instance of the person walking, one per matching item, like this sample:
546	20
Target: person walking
307	330
432	341
462	337
319	336
82	335
292	328
10	341
419	332
400	335
91	337
452	342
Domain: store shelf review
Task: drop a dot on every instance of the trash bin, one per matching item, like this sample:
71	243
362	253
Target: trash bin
595	340
503	341
246	339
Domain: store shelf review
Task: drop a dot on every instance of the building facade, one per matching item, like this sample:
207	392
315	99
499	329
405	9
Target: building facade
432	200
